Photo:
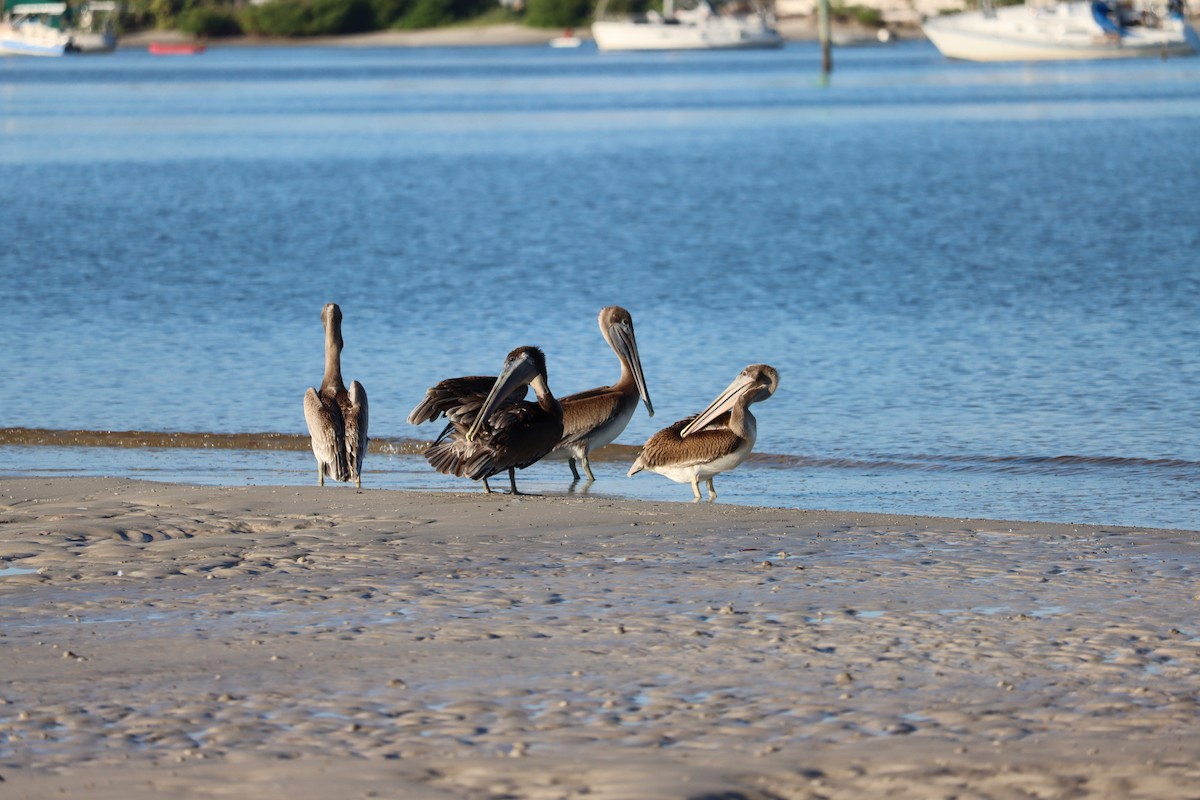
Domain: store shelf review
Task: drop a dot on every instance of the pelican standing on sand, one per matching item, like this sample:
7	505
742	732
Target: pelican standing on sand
337	419
716	440
596	417
487	435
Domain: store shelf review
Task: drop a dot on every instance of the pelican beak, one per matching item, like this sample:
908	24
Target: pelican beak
724	402
626	344
518	372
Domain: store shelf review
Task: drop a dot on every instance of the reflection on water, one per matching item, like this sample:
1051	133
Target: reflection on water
7	570
977	281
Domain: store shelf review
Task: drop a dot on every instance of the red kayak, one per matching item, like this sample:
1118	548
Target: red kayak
175	48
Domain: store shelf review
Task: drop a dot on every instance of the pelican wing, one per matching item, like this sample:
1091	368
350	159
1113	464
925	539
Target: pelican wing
458	399
515	435
355	413
586	411
452	454
325	427
669	448
521	434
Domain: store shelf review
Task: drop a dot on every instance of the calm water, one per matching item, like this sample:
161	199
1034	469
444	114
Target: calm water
979	283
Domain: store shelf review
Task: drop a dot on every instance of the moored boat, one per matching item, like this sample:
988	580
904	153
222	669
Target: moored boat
176	48
699	28
93	27
33	29
1059	31
567	40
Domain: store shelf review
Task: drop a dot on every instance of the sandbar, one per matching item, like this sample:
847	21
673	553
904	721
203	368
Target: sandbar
162	640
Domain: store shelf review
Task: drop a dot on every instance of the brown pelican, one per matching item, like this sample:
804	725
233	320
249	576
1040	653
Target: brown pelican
715	440
488	434
596	417
337	419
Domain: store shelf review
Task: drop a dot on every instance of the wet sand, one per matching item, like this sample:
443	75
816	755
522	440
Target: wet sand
162	640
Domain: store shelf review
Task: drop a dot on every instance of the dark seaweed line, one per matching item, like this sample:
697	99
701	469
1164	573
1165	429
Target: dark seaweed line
403	446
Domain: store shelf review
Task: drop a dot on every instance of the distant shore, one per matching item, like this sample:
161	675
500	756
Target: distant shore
506	35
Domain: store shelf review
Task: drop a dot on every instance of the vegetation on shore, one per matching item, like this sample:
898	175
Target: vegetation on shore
300	18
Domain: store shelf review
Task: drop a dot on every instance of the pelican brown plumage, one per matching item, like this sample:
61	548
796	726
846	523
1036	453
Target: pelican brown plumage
337	418
596	417
714	441
488	434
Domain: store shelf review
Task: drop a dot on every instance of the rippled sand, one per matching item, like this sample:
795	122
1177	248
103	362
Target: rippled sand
161	640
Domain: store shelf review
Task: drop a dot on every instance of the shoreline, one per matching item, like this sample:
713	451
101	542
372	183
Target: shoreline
1072	489
192	640
503	35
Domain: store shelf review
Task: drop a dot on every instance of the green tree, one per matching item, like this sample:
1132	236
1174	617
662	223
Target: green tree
389	12
308	17
557	13
211	21
433	13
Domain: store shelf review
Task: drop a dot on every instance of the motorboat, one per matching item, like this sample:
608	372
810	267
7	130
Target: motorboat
33	29
52	29
1058	31
698	28
93	28
568	40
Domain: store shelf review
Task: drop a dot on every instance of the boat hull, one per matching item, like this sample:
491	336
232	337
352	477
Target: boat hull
17	48
175	49
719	33
32	40
93	42
1065	32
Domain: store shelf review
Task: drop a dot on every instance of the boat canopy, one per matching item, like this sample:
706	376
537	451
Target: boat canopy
25	7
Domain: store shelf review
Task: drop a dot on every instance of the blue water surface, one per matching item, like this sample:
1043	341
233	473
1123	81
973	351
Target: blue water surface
979	283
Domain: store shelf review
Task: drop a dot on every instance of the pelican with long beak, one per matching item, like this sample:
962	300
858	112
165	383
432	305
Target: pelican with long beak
506	432
337	418
714	441
596	417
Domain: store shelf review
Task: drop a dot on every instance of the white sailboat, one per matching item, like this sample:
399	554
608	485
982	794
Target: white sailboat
1059	31
699	28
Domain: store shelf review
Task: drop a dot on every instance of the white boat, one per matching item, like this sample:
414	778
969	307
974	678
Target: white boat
699	28
33	29
1059	31
567	40
94	27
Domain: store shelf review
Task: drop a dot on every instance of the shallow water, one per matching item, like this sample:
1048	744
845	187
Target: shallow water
978	282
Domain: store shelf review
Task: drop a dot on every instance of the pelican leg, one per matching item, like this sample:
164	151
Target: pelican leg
512	479
712	493
696	489
486	488
587	467
320	474
574	472
358	482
